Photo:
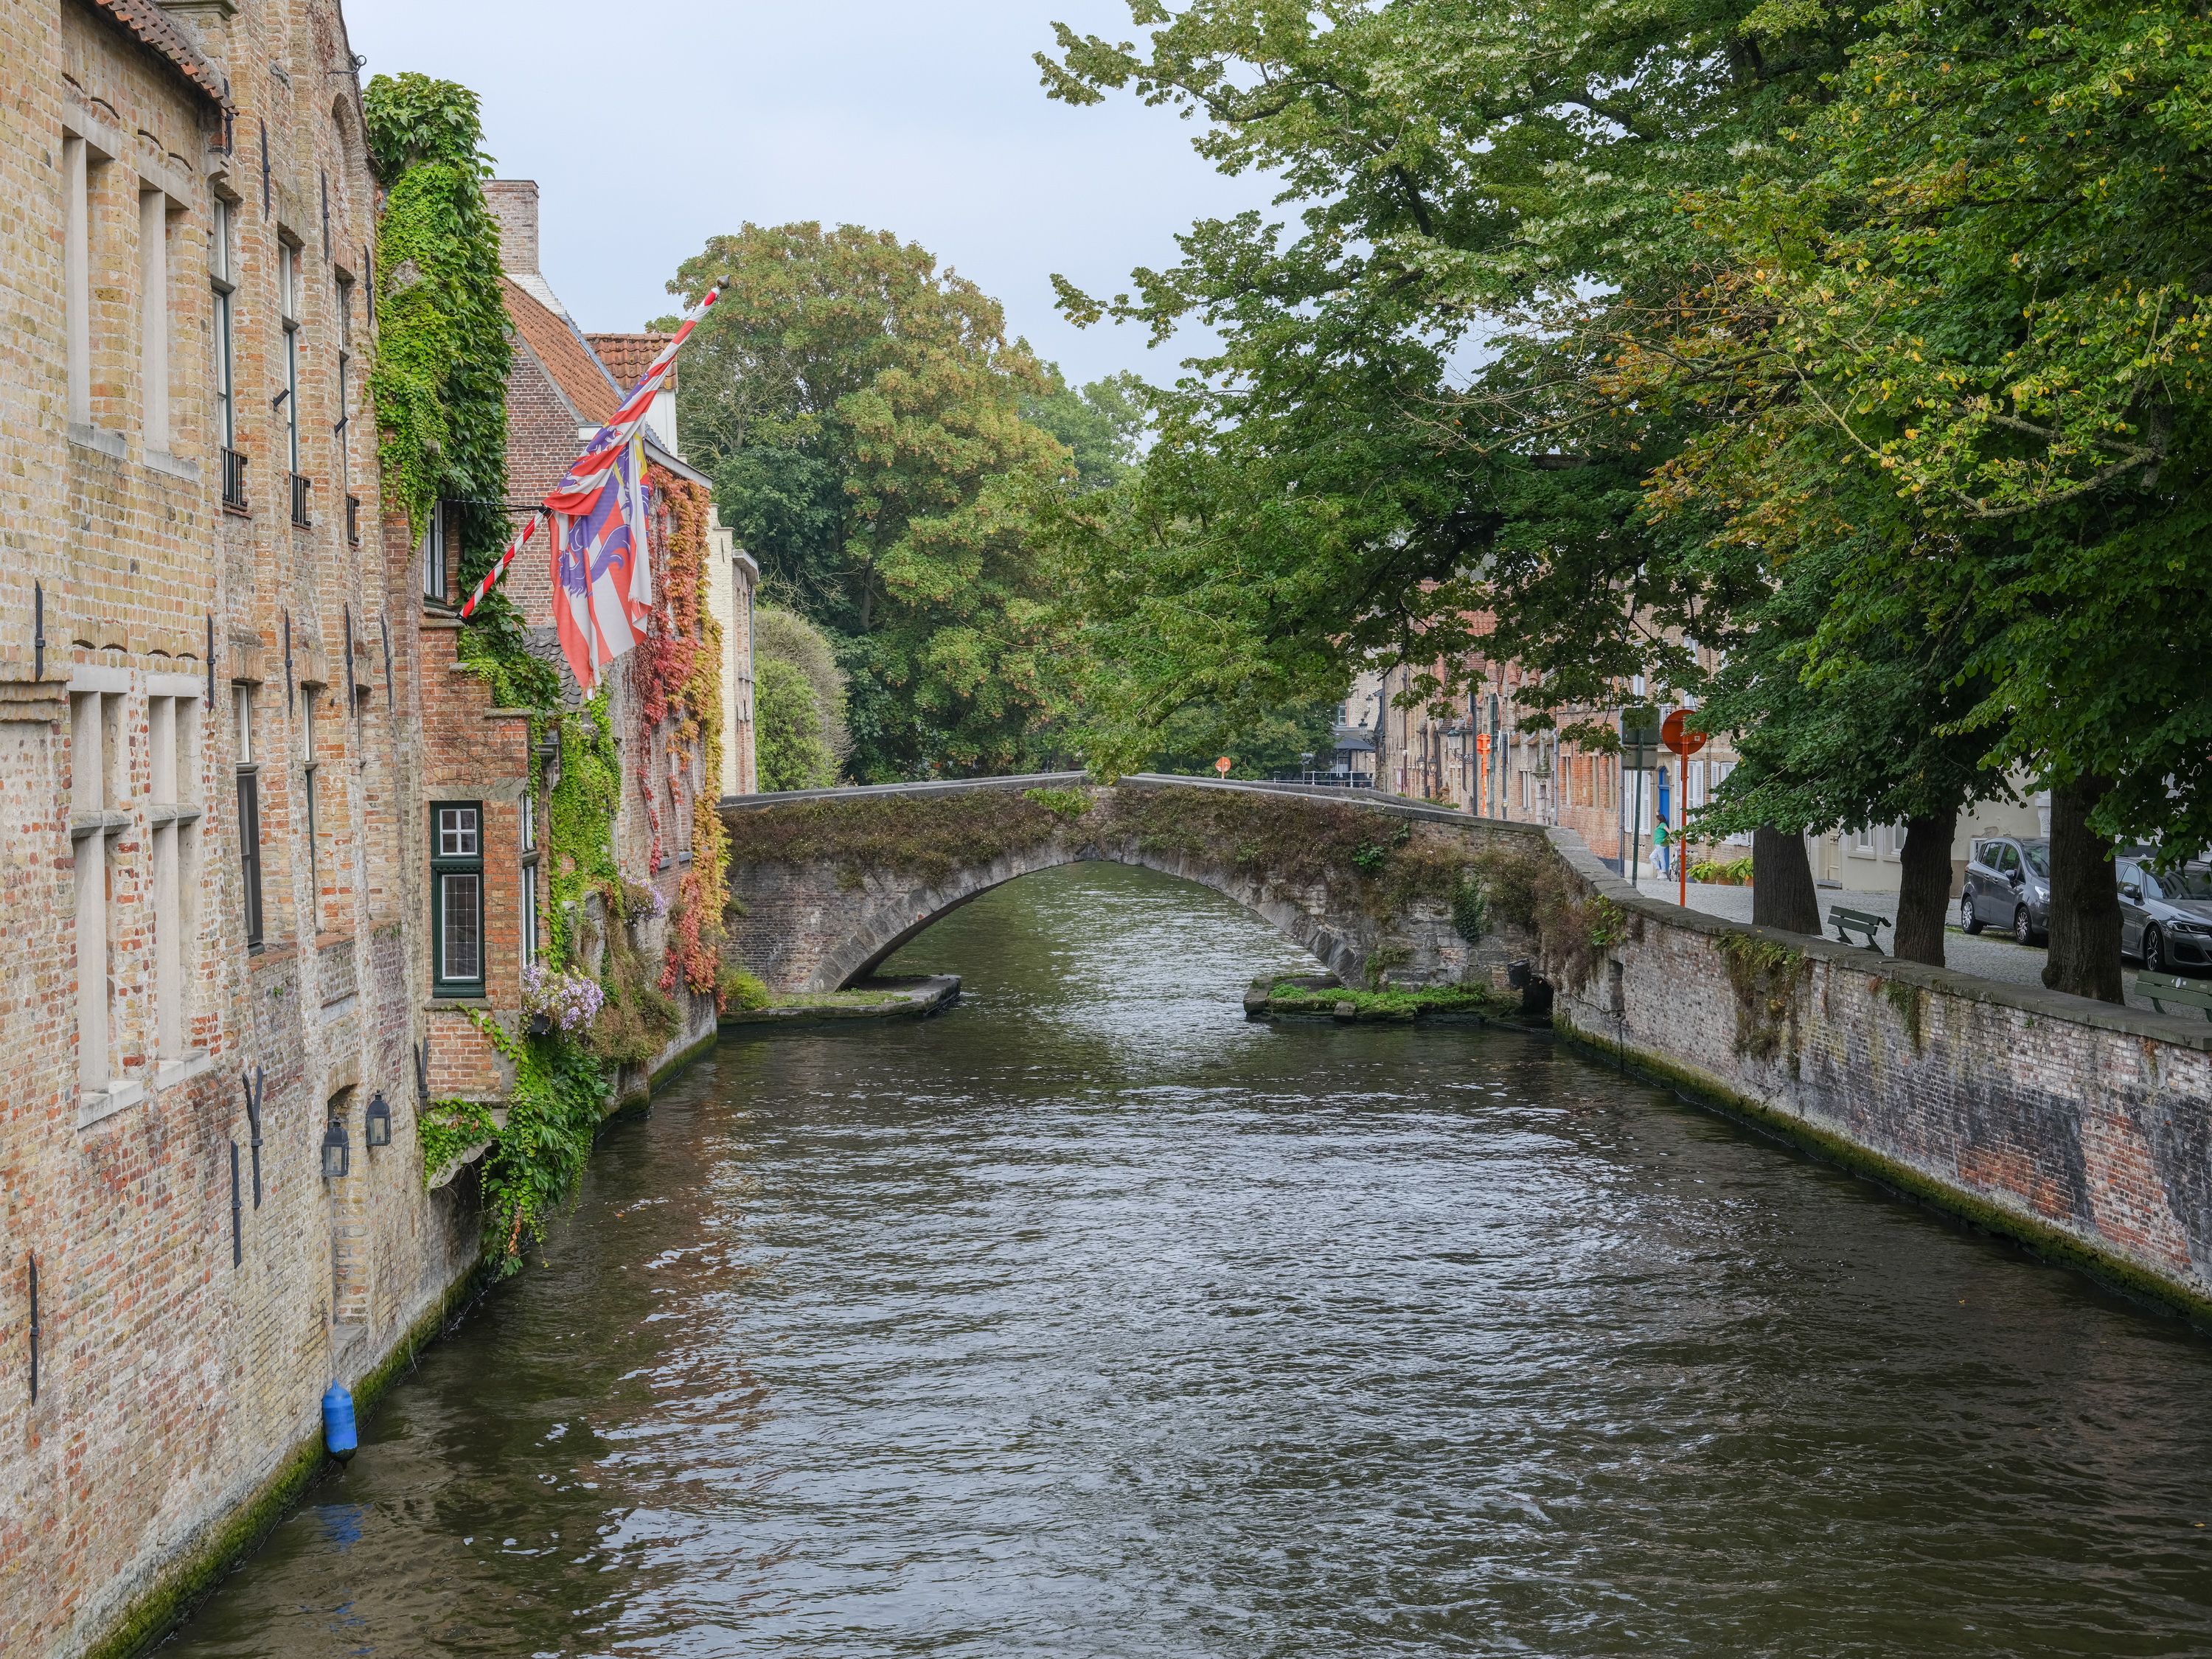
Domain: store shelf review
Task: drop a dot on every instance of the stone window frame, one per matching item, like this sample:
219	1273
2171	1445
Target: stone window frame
247	771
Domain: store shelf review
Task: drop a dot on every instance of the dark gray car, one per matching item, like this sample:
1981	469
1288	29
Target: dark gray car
2007	886
2165	918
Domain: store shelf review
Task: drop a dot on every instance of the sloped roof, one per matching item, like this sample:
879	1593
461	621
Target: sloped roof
553	341
151	27
629	356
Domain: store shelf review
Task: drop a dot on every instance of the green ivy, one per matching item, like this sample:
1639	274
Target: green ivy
583	808
443	350
446	1128
559	1100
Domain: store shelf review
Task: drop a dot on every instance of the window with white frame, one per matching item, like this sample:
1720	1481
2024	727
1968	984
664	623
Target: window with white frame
457	940
527	934
434	554
220	279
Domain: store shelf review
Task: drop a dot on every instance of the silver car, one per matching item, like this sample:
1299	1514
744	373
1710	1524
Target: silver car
2009	886
2164	918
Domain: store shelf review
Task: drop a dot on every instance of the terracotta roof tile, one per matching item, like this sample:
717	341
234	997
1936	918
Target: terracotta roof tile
152	28
629	356
581	377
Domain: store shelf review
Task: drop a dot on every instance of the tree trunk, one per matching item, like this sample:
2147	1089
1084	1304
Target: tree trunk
2085	904
1781	882
1924	893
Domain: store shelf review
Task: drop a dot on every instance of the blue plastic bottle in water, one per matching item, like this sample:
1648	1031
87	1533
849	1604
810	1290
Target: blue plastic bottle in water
337	1423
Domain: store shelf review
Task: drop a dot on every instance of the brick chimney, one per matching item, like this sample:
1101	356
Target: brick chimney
513	203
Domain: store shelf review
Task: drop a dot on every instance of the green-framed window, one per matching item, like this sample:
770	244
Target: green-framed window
456	898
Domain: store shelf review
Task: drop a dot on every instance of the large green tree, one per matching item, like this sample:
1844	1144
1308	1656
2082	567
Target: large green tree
1980	295
860	410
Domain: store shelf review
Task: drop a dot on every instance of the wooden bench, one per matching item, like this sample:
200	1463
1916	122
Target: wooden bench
1847	922
2162	988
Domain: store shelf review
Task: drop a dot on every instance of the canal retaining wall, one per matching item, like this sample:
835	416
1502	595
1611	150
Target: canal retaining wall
2080	1128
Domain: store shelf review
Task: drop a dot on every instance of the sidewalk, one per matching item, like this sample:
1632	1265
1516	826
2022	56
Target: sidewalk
1990	954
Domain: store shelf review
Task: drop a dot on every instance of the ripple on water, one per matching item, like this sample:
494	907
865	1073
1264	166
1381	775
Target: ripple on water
1090	1320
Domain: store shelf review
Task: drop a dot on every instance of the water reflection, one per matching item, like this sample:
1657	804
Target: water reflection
1090	1320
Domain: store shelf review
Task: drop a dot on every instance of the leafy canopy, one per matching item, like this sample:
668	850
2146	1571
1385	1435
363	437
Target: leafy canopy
861	413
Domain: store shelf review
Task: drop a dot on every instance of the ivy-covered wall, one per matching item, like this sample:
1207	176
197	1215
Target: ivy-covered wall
618	956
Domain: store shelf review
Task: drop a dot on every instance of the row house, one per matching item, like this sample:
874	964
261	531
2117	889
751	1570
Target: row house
211	1203
1441	754
1539	777
487	808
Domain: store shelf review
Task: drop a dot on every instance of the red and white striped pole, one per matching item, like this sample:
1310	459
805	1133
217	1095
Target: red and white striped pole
492	575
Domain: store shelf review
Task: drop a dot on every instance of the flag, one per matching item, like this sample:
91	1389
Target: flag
591	472
601	571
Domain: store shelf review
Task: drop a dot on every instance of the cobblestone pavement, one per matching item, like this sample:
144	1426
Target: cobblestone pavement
1990	955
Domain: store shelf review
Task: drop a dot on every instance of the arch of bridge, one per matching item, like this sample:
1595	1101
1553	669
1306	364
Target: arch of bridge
813	927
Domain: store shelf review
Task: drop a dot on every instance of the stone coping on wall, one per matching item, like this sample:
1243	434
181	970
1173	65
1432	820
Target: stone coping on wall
1944	981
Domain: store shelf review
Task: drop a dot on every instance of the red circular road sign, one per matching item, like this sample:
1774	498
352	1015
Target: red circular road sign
1675	733
1222	766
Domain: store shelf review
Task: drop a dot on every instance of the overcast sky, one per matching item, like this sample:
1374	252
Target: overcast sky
650	126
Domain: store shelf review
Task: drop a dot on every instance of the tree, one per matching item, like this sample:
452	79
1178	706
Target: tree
1985	286
1102	425
788	729
860	410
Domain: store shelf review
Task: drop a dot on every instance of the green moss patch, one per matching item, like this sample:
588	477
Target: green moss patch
1290	1000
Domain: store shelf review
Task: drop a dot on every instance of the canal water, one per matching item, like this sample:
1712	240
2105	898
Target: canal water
1089	1319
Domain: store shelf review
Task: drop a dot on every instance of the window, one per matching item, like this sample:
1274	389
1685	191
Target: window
154	318
173	732
529	934
76	275
249	808
434	554
457	967
287	299
342	430
226	411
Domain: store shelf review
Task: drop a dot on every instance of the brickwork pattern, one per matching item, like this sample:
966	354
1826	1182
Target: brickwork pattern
2090	1121
172	1381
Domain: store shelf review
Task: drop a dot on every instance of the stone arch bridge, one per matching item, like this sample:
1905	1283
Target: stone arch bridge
827	883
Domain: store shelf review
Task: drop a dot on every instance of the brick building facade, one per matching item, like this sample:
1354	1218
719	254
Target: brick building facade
207	716
476	758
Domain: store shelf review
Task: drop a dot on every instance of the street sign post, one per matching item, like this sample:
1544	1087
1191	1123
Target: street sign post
1675	731
1223	765
1639	753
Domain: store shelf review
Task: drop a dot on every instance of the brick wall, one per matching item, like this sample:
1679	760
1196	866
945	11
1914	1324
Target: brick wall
2084	1127
173	1382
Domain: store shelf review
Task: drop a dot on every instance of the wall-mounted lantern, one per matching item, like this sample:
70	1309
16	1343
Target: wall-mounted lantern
338	1152
376	1127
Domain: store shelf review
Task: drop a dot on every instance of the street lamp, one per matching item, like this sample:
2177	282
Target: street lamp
338	1152
376	1127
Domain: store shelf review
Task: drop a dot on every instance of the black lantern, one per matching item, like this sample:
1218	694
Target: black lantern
338	1152
376	1127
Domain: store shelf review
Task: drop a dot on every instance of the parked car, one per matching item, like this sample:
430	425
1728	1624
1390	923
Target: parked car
2009	886
2165	918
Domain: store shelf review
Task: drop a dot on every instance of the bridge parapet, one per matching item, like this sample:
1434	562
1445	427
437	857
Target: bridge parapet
827	883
